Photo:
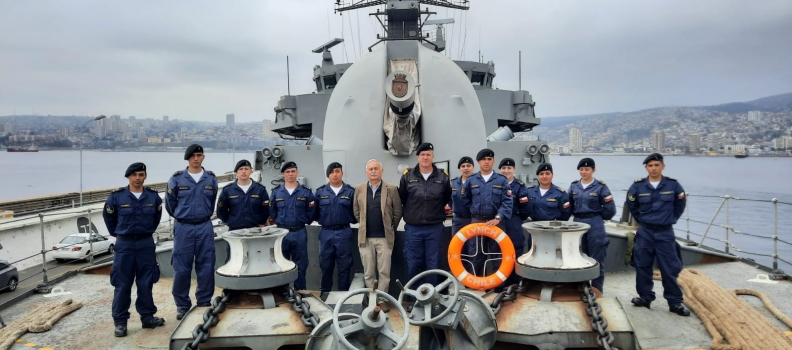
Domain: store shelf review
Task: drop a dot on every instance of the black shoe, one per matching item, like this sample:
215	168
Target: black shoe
120	330
153	322
638	301
204	305
365	300
679	309
324	296
180	313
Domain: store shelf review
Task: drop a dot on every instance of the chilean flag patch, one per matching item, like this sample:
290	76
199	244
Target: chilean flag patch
523	199
566	205
608	198
682	195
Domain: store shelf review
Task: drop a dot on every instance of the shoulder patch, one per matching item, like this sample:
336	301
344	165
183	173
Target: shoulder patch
276	187
639	180
151	189
445	172
210	172
118	189
406	171
520	182
670	178
561	189
602	182
576	181
319	188
179	172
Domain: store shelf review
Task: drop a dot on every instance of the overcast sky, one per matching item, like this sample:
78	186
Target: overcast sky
199	60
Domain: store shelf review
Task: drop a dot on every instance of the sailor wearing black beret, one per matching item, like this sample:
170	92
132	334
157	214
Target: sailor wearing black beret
460	204
506	162
491	203
521	210
464	160
592	204
586	162
333	165
545	167
424	190
485	153
653	156
287	166
292	207
190	199
135	167
548	201
426	146
132	214
244	203
656	203
192	149
241	163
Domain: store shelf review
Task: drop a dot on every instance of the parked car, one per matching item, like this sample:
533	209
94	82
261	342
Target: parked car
77	246
9	277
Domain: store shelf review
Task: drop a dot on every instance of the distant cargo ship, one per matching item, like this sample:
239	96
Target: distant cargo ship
32	148
741	155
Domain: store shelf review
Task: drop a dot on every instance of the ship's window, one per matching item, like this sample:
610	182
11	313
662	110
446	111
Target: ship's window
318	84
478	78
329	81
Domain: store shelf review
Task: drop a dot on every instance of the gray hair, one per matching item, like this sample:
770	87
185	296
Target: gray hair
373	160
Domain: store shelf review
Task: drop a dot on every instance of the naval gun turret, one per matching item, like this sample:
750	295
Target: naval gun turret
404	92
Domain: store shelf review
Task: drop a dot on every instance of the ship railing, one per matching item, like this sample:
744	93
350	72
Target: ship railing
722	218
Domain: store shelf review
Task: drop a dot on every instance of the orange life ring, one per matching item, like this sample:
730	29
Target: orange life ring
455	257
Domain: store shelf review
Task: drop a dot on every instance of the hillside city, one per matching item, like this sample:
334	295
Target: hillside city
752	128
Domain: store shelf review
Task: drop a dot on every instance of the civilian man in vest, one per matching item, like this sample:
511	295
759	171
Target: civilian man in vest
378	208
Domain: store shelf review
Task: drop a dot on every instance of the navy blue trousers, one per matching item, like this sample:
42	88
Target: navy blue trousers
594	243
295	248
335	248
422	250
135	261
193	245
660	246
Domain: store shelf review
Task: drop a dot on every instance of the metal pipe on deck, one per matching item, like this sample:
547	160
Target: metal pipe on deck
775	234
712	221
90	237
727	224
44	286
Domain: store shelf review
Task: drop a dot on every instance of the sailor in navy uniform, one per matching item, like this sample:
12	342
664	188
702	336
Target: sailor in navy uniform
292	207
592	203
460	204
244	203
424	191
656	202
520	212
491	203
190	200
132	215
548	201
334	212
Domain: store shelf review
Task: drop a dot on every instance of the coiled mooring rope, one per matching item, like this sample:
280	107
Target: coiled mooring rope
39	320
732	323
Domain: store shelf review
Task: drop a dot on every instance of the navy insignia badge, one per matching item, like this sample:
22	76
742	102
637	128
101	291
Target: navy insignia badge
219	203
399	85
109	209
631	197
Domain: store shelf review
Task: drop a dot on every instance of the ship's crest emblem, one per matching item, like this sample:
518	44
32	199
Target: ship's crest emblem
399	87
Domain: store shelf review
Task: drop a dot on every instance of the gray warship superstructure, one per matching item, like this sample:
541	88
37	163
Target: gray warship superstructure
402	93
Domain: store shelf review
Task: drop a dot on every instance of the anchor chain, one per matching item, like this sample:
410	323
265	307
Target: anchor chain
211	316
599	324
508	295
308	318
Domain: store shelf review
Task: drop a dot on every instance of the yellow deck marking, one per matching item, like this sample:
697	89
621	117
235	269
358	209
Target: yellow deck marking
788	332
46	349
30	345
19	340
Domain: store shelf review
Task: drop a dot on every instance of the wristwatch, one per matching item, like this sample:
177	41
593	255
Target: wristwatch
498	217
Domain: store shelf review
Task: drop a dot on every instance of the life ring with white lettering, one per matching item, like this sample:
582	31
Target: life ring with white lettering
455	256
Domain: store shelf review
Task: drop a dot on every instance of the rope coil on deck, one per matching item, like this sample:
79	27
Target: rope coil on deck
732	323
39	320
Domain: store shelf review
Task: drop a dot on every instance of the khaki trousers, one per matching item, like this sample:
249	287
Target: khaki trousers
376	254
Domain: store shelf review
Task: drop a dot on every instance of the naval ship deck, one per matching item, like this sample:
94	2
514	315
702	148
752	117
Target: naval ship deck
91	327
